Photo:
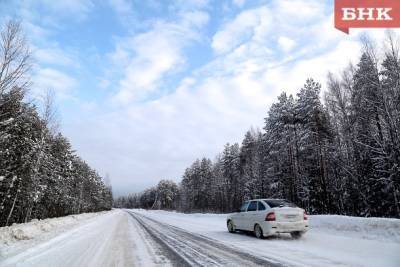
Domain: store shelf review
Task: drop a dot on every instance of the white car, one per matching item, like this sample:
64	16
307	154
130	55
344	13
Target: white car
266	217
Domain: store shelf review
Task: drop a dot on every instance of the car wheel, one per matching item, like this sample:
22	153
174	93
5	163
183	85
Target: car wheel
258	232
231	227
296	235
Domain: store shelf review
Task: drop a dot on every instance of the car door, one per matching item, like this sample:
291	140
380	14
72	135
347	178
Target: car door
250	217
261	212
240	217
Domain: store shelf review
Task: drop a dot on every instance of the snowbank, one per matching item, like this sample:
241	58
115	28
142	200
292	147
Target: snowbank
37	228
366	228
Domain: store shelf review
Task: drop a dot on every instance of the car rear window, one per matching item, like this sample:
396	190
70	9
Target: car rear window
252	206
261	206
274	203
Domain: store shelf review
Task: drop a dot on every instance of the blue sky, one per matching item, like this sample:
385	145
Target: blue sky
143	88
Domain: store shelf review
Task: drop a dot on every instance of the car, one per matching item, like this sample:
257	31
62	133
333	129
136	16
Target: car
267	217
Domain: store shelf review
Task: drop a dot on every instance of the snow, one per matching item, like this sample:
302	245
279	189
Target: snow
37	230
8	121
383	229
115	238
333	240
96	239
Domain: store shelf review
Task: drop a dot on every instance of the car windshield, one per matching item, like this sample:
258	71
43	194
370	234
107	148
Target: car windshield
273	203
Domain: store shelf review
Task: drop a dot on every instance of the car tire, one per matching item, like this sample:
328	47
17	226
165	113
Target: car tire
258	232
231	227
296	235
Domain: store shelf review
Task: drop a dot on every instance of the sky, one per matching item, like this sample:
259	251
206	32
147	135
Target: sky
143	88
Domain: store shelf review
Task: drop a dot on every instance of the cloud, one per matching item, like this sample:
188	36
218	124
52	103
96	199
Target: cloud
247	25
54	11
293	11
286	43
146	58
158	139
54	56
51	79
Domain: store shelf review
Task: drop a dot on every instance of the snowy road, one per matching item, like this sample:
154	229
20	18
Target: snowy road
160	238
332	240
113	239
190	249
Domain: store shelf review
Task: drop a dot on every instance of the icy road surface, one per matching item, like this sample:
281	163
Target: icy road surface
160	238
110	239
189	249
332	241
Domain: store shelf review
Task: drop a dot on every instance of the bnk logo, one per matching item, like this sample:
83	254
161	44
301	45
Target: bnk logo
366	14
380	13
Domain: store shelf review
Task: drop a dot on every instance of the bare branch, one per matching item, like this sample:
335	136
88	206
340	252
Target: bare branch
15	58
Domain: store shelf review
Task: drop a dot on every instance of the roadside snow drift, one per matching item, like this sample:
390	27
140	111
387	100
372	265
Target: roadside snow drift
367	228
36	228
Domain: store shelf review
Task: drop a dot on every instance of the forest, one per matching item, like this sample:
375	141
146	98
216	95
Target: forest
40	174
331	151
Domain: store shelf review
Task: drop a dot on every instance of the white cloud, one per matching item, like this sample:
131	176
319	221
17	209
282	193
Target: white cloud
293	11
54	56
53	11
196	19
291	77
51	79
147	57
158	139
253	23
286	43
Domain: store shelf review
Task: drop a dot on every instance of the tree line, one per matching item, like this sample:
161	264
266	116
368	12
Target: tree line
340	155
40	174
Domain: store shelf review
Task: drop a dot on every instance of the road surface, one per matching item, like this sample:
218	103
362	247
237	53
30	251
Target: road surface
188	249
126	238
159	238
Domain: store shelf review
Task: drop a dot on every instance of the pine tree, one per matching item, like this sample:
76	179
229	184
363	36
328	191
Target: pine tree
315	145
167	194
281	150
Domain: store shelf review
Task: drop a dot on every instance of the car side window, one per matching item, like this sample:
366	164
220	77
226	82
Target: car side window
252	206
244	206
261	206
